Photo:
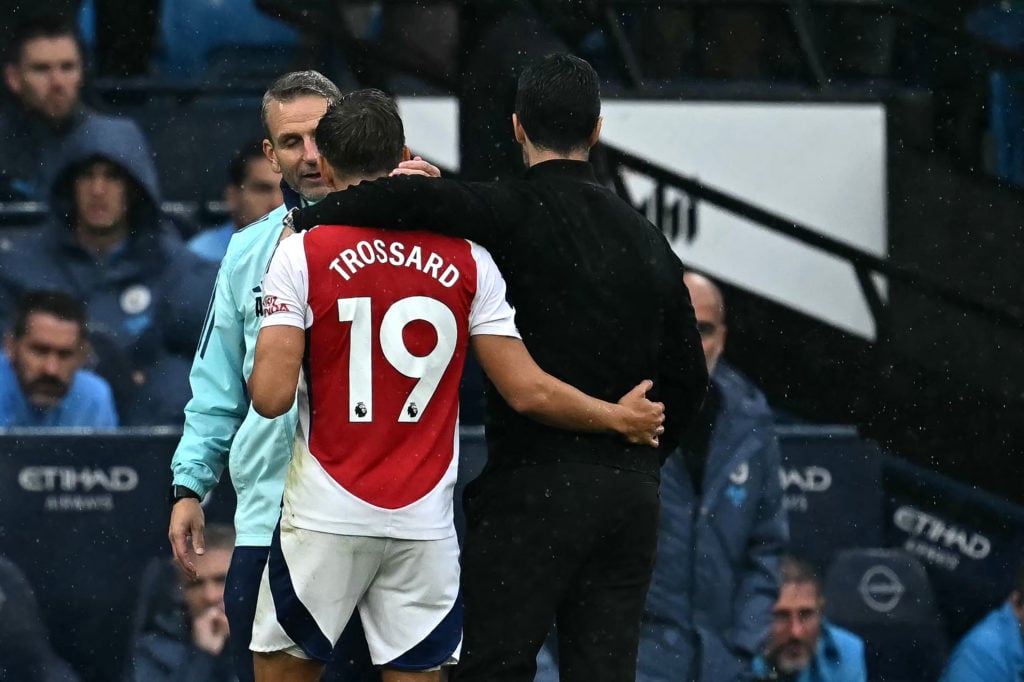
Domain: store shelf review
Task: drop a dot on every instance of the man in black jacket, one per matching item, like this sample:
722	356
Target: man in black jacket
560	526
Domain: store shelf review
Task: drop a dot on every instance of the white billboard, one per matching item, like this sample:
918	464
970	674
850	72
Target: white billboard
822	165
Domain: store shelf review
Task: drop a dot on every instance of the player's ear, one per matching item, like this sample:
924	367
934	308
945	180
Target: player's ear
518	129
597	132
12	79
406	154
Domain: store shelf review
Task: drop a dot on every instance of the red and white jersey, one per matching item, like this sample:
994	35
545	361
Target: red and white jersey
388	318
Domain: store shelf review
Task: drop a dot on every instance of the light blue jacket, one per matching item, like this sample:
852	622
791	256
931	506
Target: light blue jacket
993	651
840	658
221	428
211	244
88	403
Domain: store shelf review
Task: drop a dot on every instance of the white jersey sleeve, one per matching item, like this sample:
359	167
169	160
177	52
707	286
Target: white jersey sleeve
286	286
490	312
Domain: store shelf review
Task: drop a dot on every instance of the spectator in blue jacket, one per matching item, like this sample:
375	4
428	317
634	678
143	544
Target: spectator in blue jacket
253	191
803	646
190	643
107	243
993	650
722	528
42	383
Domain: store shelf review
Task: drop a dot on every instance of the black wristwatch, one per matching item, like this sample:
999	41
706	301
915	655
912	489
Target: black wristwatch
180	492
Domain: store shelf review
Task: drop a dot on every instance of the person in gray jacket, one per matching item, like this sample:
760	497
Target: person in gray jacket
723	528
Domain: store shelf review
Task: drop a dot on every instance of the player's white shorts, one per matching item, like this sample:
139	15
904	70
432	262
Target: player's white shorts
407	593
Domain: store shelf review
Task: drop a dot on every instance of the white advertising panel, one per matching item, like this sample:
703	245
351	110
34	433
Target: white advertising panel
822	165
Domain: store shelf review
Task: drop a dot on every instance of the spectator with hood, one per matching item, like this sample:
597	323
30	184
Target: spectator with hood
107	243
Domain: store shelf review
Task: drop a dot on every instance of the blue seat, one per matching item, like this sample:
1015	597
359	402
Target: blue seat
217	39
885	597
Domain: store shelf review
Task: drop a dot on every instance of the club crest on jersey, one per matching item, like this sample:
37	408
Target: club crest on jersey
271	305
135	299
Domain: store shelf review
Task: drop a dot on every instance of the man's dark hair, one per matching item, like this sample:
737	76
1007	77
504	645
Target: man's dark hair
297	84
793	570
238	169
1018	585
57	303
361	134
39	27
558	102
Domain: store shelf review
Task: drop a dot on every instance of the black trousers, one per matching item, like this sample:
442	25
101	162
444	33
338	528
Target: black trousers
567	543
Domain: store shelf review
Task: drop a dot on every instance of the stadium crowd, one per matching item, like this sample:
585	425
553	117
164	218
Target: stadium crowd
117	314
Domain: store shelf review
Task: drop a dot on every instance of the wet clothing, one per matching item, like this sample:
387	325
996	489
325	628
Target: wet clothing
221	428
601	305
222	431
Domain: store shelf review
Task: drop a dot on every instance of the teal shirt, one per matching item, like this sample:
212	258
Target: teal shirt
221	428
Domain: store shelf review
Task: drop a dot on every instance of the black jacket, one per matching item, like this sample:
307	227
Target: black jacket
599	295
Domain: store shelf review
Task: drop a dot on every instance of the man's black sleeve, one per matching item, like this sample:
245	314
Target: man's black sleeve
684	372
458	209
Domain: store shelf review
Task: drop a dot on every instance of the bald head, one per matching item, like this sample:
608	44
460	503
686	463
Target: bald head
709	308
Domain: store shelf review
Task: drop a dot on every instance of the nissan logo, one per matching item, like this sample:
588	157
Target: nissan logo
881	589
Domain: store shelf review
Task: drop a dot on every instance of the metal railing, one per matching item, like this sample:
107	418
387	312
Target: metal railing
670	219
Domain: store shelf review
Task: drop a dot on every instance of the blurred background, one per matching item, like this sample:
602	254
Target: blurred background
849	171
